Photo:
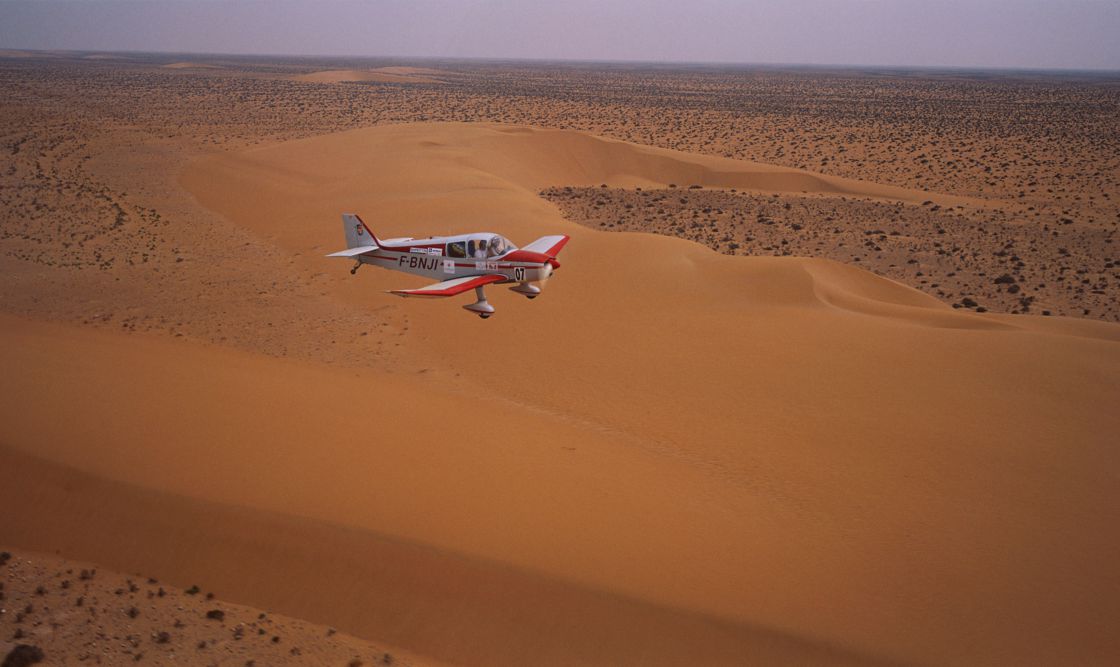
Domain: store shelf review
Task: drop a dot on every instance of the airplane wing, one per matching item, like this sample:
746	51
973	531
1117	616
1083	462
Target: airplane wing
548	245
353	252
453	286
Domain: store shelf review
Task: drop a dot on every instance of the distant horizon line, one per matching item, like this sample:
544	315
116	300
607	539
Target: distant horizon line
584	61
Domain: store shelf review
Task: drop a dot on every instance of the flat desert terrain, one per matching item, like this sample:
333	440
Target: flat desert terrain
829	375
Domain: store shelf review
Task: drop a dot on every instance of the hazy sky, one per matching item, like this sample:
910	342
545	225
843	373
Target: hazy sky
960	33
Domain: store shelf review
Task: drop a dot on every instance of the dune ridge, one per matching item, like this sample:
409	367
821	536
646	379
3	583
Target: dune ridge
548	156
186	64
377	75
782	459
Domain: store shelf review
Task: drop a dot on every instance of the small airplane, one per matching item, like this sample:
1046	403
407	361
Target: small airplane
466	261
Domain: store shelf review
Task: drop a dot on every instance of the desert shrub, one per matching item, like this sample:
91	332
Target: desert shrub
23	655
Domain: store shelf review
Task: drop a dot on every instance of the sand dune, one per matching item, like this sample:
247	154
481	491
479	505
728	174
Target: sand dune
379	75
207	492
191	65
411	70
673	455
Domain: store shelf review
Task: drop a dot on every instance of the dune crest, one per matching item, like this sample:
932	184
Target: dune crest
539	158
378	75
191	65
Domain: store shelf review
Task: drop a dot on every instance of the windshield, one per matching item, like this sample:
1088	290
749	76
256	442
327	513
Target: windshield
499	246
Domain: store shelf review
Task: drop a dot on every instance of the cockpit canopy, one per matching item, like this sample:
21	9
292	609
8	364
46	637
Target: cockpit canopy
480	246
497	245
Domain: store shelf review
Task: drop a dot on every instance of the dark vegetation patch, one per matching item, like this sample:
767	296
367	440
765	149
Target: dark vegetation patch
978	258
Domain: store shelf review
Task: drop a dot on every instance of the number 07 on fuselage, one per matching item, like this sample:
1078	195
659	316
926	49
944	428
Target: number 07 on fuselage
461	263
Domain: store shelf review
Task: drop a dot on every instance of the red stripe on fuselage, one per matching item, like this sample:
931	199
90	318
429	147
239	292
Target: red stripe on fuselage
506	262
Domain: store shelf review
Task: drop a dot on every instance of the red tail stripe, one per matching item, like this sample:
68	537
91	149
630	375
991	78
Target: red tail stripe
368	230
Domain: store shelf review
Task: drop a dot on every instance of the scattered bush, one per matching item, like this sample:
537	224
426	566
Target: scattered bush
23	655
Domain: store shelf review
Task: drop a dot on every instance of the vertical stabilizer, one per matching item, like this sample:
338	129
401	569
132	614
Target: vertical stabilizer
358	235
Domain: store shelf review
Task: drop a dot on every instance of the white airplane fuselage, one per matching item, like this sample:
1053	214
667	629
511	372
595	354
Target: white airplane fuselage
428	258
458	263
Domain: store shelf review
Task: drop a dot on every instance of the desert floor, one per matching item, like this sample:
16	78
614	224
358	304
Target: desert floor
829	373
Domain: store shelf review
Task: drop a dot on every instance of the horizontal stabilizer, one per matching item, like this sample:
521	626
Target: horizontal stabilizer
453	286
353	252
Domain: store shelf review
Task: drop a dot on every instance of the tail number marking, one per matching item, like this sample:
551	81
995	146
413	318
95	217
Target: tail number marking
519	273
419	262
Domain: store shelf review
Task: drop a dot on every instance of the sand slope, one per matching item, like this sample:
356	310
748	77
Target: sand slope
672	455
370	523
378	75
186	64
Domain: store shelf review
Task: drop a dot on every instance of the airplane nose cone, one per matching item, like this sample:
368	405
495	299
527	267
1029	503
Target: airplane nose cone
553	263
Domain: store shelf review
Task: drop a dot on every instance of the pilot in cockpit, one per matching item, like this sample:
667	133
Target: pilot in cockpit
497	246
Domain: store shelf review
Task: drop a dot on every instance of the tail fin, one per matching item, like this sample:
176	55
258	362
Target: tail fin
357	233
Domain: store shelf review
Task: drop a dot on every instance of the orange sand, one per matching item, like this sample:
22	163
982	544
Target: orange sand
379	75
672	456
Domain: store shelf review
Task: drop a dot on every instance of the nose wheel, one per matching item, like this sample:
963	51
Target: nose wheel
527	290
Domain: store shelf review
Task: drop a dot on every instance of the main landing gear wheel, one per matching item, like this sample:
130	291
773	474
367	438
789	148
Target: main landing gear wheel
481	307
